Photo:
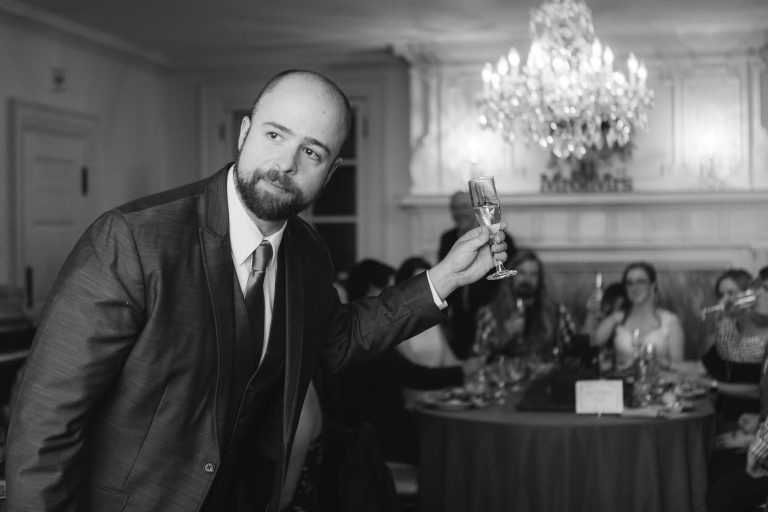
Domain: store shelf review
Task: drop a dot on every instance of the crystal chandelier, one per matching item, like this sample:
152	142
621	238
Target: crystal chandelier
567	98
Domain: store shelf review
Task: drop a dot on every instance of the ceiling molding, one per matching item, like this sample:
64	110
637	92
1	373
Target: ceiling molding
94	39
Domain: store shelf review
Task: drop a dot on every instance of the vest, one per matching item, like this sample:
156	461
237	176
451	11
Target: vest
253	426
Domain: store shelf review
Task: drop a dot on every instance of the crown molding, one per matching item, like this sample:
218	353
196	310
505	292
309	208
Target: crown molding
24	15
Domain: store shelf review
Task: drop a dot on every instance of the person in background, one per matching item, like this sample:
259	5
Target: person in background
463	217
757	453
464	303
156	381
642	320
736	362
373	391
733	355
613	299
522	318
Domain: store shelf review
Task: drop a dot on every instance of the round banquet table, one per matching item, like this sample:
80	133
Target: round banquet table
496	459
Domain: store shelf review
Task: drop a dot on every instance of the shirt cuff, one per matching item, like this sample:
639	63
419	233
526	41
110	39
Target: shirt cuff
435	297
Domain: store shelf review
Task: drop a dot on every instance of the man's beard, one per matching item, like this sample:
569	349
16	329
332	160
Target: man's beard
269	206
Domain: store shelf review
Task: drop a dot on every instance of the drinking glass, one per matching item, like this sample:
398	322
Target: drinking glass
487	206
483	345
515	370
637	343
497	376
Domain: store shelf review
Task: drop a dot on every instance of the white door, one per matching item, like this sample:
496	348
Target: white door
52	161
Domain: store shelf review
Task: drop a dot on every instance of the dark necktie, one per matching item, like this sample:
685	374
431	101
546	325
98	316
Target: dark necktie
254	294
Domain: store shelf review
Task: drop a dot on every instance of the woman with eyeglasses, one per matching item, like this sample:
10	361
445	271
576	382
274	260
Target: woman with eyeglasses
735	362
641	320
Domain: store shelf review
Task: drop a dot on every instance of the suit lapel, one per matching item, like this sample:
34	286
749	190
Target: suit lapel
217	263
294	327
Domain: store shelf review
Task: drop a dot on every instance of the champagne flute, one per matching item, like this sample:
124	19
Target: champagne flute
637	342
487	208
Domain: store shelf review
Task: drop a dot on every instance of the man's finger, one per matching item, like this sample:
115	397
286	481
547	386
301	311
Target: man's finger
475	238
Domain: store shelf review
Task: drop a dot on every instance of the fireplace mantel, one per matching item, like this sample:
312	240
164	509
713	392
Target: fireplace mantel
590	200
697	229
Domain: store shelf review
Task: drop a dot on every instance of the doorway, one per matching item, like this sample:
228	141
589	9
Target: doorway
52	157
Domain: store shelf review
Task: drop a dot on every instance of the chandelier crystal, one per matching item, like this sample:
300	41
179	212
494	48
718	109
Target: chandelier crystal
567	97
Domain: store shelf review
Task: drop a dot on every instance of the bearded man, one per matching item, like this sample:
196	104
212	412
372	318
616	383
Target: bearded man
175	350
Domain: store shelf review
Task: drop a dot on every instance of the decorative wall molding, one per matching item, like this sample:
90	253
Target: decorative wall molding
706	131
691	230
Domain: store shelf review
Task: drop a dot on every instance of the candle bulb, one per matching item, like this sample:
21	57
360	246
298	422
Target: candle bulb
514	61
487	73
632	66
608	59
597	54
642	75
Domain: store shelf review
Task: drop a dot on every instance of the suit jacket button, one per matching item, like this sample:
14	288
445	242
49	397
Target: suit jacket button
209	467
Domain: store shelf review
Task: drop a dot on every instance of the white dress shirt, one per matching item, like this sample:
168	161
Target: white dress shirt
244	237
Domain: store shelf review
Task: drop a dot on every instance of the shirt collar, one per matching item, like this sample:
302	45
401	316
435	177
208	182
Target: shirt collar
244	235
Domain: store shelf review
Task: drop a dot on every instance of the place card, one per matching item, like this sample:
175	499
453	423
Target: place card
599	396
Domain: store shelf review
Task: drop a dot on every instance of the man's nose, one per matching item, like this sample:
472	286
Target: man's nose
285	161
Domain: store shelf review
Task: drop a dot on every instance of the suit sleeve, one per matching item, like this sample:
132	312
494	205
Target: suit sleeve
364	329
87	328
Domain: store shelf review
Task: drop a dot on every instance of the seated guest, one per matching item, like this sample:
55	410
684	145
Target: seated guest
733	355
465	301
736	366
373	391
523	318
612	300
641	320
757	453
368	278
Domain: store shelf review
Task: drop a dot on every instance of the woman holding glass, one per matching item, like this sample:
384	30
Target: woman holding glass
641	321
734	360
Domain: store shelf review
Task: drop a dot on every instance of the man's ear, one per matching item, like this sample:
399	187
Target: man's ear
335	165
245	126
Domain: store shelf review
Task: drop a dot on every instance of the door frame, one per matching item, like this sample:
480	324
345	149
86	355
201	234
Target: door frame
30	116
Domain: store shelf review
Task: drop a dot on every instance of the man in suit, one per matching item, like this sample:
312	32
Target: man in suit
463	217
157	380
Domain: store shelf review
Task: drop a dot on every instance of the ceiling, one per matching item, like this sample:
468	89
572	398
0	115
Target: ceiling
183	32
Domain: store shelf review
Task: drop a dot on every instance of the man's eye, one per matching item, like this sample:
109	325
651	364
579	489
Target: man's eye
311	153
272	135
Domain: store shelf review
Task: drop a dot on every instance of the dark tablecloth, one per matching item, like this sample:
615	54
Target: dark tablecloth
496	459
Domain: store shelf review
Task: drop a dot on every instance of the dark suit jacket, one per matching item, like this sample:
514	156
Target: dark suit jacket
125	390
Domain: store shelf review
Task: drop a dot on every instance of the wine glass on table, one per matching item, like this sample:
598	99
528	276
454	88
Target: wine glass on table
487	206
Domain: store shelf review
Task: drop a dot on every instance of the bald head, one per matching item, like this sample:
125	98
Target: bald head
314	80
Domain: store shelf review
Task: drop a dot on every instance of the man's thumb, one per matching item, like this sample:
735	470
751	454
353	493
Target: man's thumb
475	238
